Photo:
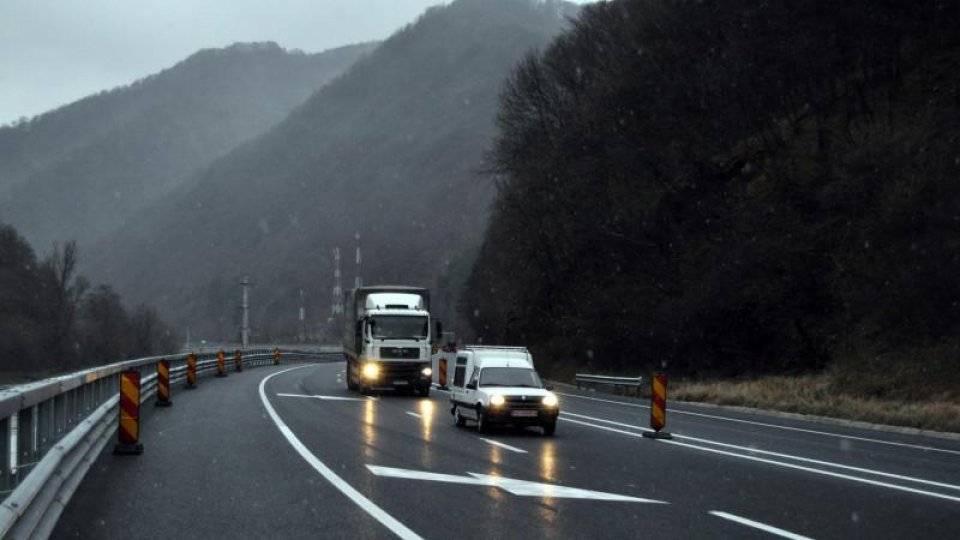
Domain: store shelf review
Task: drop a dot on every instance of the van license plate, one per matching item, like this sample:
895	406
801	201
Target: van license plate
523	413
401	383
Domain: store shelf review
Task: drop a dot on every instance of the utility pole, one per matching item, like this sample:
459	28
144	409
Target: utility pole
303	321
245	316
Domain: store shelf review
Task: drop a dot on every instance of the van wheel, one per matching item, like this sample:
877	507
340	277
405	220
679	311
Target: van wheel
482	426
548	429
424	392
458	419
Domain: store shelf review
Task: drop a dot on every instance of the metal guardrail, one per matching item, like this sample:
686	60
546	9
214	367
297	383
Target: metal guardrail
617	382
52	431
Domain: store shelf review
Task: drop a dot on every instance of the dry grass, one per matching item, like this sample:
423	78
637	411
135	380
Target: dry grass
817	395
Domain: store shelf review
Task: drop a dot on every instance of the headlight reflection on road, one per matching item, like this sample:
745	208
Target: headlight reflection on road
369	430
427	409
548	469
548	465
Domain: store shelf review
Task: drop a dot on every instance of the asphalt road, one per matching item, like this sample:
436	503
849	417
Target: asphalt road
288	452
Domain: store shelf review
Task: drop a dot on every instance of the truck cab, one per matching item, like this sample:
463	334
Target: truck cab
387	341
498	386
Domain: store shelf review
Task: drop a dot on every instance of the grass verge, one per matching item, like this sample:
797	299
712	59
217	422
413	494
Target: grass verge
818	395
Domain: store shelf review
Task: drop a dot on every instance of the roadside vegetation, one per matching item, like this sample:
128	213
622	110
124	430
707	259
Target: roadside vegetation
824	395
736	191
53	321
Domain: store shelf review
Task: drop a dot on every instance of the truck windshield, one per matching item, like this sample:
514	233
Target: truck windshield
510	377
399	327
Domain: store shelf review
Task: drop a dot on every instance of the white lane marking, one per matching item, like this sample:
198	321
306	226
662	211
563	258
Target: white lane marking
502	445
776	426
329	398
364	503
520	488
781	455
762	526
778	463
415	415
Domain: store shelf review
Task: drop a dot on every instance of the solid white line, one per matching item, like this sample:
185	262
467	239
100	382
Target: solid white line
757	525
781	455
507	446
411	413
364	503
777	463
776	426
329	398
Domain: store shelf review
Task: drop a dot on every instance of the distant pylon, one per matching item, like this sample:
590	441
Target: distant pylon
336	308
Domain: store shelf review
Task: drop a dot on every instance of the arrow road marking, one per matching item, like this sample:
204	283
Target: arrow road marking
521	488
502	445
328	398
757	525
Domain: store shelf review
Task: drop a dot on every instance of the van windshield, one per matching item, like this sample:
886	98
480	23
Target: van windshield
399	327
510	377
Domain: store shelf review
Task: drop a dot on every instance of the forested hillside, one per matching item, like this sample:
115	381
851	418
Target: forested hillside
84	169
732	187
392	150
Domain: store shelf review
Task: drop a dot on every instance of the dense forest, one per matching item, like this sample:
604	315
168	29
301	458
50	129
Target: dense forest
731	187
51	320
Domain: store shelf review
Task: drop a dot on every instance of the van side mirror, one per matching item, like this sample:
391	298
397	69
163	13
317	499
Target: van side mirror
471	386
549	387
437	331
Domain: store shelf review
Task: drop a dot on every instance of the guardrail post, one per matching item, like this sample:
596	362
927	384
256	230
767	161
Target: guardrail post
221	365
238	359
128	434
191	371
276	357
658	408
163	384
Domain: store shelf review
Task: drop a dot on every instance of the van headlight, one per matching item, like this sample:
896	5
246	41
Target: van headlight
497	400
371	371
550	400
427	371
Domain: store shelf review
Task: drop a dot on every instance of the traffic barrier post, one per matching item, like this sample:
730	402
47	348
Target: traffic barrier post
442	378
163	384
238	360
658	409
221	364
276	357
191	371
128	434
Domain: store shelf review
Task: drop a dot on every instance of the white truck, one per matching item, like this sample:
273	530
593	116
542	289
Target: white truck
498	386
387	339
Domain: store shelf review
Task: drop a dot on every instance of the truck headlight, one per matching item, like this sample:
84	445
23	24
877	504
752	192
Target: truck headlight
427	371
371	371
550	400
496	400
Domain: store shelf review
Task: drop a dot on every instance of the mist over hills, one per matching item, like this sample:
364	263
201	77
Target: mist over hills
392	150
82	170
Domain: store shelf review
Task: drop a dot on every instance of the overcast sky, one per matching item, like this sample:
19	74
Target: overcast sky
53	52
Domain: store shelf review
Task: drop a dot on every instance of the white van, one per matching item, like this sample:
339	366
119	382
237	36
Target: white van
499	386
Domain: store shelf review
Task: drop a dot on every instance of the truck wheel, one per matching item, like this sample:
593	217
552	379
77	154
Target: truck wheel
424	392
458	419
349	374
548	429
